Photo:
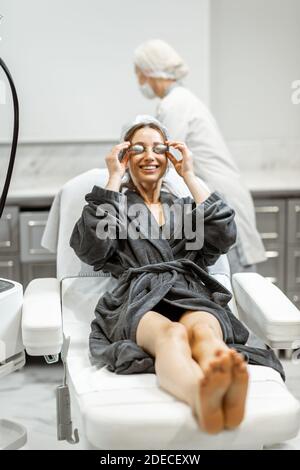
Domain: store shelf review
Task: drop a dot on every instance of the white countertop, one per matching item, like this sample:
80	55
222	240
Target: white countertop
38	192
35	195
273	181
263	183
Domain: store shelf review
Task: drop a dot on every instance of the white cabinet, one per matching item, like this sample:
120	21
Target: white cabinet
278	222
9	244
22	258
293	251
271	223
32	226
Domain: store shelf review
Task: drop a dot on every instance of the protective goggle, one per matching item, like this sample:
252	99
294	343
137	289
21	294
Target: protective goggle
136	149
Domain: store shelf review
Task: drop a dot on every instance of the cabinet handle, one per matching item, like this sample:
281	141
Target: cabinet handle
5	264
266	209
269	235
37	251
271	254
36	223
5	244
297	208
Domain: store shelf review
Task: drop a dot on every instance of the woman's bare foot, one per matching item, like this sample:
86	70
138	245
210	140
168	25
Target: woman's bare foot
212	388
235	397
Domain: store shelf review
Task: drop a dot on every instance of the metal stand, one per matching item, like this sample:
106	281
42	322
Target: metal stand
63	405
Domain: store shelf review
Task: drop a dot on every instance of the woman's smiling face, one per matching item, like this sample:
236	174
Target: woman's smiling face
148	166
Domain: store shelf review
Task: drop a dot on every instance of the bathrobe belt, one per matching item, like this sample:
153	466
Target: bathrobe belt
219	293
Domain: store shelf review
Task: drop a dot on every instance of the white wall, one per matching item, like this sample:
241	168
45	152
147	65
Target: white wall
72	61
255	57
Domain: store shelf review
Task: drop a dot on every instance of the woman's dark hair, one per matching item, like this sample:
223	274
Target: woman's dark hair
129	135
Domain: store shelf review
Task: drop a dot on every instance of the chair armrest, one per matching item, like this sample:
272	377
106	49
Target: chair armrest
41	318
267	311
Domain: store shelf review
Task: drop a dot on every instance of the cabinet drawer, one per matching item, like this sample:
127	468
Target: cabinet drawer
32	226
38	270
270	219
10	267
294	221
9	230
274	268
293	268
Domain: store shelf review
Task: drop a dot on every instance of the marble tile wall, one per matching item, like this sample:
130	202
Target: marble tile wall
272	154
53	164
39	165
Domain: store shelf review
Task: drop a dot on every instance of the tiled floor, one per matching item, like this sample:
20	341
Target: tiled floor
28	397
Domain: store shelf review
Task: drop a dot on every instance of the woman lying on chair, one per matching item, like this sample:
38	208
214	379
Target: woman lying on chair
167	314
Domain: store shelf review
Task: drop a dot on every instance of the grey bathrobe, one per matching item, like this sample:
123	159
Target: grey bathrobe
155	273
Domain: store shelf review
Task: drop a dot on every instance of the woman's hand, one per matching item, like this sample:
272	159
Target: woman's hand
184	167
116	168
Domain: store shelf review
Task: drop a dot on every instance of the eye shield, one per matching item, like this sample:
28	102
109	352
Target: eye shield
137	149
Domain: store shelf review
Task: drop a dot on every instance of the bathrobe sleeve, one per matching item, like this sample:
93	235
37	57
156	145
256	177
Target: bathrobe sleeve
95	235
219	227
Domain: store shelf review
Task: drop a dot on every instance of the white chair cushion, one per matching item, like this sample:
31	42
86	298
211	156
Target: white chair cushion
131	412
41	317
267	311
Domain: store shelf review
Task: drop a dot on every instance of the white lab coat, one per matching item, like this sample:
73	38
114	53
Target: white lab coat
189	120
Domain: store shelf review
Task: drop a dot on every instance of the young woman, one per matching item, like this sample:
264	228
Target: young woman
166	314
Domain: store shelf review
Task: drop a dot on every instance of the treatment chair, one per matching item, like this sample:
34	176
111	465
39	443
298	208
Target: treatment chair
130	411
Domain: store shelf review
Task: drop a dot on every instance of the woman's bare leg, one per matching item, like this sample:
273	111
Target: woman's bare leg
208	347
167	342
205	338
179	374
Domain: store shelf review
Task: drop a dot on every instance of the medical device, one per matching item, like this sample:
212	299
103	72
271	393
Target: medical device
12	355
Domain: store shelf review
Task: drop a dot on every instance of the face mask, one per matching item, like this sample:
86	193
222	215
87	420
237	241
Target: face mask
147	91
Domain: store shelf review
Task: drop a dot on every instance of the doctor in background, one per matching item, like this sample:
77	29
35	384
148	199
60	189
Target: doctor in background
159	71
